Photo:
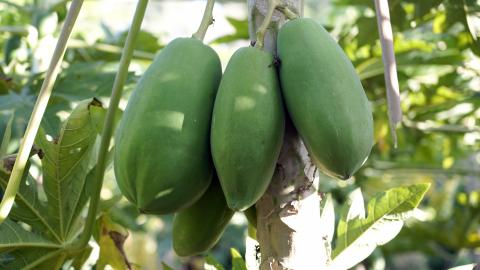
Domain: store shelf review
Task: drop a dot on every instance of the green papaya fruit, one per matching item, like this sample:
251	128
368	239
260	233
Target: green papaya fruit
247	127
199	227
162	156
325	98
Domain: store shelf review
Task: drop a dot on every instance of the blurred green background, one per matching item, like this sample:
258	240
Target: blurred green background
437	44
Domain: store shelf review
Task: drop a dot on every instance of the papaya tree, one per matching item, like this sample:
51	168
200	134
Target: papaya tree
292	221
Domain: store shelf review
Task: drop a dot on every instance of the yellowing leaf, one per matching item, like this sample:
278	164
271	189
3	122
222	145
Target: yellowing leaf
111	239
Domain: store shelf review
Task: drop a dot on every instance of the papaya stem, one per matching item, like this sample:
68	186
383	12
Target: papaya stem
38	111
390	67
207	20
117	90
262	30
288	12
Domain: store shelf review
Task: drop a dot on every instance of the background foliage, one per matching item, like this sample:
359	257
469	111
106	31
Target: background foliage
437	43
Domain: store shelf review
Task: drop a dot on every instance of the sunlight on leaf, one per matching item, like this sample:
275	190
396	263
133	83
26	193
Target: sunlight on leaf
357	236
111	240
66	163
327	218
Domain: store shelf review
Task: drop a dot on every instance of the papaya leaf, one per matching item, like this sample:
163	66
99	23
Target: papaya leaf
241	31
12	45
146	42
111	239
13	236
66	164
82	81
465	12
358	235
238	263
374	66
423	8
353	208
27	207
6	137
76	223
366	26
38	259
76	226
212	264
99	114
22	105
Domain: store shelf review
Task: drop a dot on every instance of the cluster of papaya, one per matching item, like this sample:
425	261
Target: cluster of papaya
186	123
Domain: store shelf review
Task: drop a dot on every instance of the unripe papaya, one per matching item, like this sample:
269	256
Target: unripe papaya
199	227
247	127
325	98
162	155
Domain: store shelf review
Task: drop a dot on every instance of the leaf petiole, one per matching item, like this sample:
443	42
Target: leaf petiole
38	111
110	120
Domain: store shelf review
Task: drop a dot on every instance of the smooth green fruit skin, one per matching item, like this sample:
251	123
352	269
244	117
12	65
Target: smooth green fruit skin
162	156
325	98
247	127
199	227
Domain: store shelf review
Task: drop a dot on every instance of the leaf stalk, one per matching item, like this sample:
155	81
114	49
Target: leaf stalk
107	132
38	111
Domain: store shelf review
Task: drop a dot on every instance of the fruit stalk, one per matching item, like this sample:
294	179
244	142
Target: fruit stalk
288	228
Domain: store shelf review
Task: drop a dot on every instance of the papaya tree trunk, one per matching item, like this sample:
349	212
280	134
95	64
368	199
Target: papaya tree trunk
288	214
